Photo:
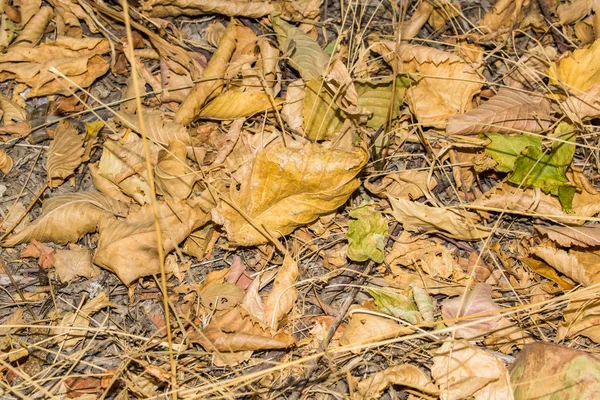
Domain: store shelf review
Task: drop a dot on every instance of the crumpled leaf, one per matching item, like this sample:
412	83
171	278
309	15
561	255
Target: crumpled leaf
534	168
282	298
231	8
366	234
574	10
6	162
505	149
402	375
129	248
68	217
583	106
408	184
578	72
306	56
463	371
233	105
288	187
448	84
12	112
68	337
567	236
34	29
73	263
340	83
396	304
212	82
547	371
172	175
416	217
375	96
64	154
581	266
509	111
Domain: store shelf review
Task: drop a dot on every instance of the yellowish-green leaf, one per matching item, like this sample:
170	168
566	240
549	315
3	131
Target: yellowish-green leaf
306	57
396	304
505	149
232	105
376	97
366	235
322	116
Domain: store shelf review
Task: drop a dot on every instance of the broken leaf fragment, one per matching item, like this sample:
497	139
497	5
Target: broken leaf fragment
366	233
287	187
407	375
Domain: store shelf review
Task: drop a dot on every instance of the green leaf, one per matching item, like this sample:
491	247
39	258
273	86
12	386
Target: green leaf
548	171
505	149
322	117
376	97
366	234
395	304
306	57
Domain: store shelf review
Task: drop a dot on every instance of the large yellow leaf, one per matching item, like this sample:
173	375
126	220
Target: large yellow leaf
65	153
288	187
68	217
579	70
129	248
232	105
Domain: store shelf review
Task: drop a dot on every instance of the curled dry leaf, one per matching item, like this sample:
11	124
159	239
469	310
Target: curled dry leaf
288	187
65	153
28	9
158	128
232	105
463	371
581	266
6	162
106	186
583	106
212	81
509	111
416	217
339	81
293	107
407	184
68	217
80	319
402	375
567	236
172	174
231	8
282	298
12	112
34	29
129	248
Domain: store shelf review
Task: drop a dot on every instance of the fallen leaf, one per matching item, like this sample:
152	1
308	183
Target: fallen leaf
282	297
129	248
577	71
158	128
376	96
288	187
567	236
366	234
505	149
408	184
396	304
6	162
581	266
34	29
416	217
172	174
233	105
402	375
68	217
162	8
74	263
462	371
322	117
65	153
509	111
44	254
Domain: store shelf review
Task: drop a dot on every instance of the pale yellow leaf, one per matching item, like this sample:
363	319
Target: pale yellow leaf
417	217
288	187
321	115
29	8
106	186
282	297
408	184
578	71
232	8
68	217
12	112
233	105
6	162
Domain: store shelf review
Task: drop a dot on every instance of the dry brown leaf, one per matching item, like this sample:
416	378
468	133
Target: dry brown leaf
578	71
231	8
407	184
212	85
44	254
509	111
581	266
235	330
129	248
567	236
574	10
106	186
68	217
6	162
288	187
417	217
233	105
448	84
585	105
402	375
12	112
74	263
64	332
158	128
340	82
34	29
292	111
581	318
65	153
12	215
463	371
282	298
28	9
172	175
16	318
528	71
504	196
364	328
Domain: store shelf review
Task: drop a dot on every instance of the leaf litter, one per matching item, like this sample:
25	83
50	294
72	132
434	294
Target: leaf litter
299	199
